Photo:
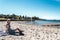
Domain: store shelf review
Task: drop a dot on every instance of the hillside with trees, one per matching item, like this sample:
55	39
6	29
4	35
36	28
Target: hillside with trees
17	17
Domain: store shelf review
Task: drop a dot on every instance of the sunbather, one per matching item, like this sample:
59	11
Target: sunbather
12	31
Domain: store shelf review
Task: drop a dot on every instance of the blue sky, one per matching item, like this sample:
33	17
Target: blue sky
46	9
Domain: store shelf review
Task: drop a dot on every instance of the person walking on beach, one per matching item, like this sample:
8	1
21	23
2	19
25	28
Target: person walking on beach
12	31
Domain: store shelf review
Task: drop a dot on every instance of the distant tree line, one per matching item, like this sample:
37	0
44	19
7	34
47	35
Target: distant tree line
17	17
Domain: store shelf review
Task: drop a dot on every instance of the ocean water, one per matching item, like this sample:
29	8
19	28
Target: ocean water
39	22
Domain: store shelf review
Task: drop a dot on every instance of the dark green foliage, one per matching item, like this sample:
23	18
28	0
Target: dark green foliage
36	18
17	17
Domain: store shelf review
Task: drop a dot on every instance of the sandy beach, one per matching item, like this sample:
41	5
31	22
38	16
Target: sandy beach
32	32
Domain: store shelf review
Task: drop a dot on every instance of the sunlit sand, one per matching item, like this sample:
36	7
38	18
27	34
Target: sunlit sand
32	32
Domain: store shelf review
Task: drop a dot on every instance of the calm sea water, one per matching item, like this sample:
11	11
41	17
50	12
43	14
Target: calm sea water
42	22
39	22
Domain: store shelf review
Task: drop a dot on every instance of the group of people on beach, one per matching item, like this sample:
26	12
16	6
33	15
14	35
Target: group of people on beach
12	31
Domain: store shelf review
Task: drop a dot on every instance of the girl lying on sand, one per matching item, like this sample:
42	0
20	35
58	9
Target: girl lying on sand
12	31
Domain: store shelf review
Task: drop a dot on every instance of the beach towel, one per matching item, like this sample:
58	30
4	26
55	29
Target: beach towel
3	33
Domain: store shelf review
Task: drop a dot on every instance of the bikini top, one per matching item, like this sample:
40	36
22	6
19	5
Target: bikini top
8	26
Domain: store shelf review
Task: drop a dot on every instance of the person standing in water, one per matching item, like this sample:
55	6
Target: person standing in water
12	31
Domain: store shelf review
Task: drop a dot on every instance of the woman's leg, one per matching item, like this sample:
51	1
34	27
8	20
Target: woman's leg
20	31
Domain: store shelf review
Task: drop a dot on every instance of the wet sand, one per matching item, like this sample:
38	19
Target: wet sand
32	32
